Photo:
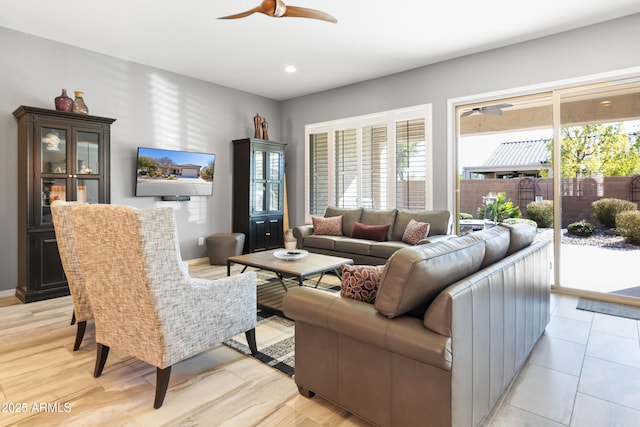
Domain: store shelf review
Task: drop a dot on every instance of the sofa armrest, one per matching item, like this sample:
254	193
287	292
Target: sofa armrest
403	335
300	232
436	238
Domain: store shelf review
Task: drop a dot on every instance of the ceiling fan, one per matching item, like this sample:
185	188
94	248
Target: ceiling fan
277	9
494	110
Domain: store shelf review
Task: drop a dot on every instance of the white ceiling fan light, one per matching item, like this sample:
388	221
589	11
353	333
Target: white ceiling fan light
493	110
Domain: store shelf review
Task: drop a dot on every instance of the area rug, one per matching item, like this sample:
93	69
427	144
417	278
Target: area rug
275	341
613	309
274	332
270	291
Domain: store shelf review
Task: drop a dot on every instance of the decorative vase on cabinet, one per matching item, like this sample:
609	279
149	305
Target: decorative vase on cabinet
61	156
63	102
258	193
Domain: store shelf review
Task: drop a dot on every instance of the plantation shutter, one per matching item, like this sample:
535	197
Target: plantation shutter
374	167
318	173
411	164
346	169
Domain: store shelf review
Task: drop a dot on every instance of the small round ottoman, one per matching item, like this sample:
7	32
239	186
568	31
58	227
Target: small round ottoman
223	245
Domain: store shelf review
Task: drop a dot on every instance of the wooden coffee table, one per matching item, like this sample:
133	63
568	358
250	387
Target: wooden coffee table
300	269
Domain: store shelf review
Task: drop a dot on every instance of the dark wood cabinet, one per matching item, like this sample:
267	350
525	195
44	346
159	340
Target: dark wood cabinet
258	193
61	156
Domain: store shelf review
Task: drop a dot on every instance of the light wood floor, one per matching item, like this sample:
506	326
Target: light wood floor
44	382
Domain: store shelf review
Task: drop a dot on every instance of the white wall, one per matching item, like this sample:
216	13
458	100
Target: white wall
596	49
152	107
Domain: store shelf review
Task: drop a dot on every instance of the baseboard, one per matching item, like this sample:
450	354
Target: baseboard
7	293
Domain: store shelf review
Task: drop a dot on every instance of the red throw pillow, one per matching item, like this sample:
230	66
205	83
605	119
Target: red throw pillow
370	232
415	232
360	282
331	226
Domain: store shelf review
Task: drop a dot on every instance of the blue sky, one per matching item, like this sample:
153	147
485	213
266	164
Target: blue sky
178	157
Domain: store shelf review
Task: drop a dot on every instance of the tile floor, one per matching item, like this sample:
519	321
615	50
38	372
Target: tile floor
584	372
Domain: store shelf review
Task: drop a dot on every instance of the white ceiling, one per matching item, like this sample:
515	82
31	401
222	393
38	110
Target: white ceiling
371	39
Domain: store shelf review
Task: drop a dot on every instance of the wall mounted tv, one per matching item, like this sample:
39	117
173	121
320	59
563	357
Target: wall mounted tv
174	175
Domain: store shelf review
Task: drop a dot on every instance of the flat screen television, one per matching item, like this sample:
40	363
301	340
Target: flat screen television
172	174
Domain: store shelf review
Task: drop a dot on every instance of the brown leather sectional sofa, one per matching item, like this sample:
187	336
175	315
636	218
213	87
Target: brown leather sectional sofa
452	324
364	251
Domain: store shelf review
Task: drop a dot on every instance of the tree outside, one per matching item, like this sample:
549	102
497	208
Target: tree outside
601	149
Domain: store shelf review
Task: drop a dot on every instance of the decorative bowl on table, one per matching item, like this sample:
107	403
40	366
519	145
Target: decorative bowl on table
290	254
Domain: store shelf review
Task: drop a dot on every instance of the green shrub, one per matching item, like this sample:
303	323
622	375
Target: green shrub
465	216
628	224
581	228
606	210
520	220
541	212
501	209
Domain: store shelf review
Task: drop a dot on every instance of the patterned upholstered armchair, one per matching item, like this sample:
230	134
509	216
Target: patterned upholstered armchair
144	302
61	213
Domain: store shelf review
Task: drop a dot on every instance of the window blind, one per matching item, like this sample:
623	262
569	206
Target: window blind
318	173
411	164
374	167
346	169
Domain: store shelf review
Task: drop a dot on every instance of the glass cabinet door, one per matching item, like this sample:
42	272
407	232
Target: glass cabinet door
87	153
259	196
51	189
259	169
53	150
274	196
274	180
88	190
274	166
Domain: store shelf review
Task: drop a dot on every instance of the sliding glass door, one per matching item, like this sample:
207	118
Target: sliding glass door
569	160
599	159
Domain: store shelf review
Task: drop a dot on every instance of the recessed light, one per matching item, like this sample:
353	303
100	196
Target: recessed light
290	69
605	103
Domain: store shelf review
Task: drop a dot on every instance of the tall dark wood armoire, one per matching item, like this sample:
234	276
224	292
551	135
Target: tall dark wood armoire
61	156
258	193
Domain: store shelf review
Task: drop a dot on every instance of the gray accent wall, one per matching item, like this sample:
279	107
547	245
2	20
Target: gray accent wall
162	109
153	108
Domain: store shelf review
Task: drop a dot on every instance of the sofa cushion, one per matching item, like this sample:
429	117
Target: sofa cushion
439	221
349	216
379	217
415	232
321	242
414	276
522	235
377	233
360	282
353	246
331	226
496	240
386	249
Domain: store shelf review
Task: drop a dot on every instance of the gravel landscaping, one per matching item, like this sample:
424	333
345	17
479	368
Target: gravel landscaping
601	238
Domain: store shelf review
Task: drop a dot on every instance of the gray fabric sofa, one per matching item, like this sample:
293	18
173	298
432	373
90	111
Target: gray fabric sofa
453	323
364	251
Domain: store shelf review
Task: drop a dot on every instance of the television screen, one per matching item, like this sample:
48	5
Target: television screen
174	173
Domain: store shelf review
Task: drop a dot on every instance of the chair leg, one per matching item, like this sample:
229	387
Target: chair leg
162	383
73	317
82	326
251	340
101	359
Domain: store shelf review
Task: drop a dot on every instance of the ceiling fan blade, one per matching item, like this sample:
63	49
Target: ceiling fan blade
303	12
243	14
500	106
